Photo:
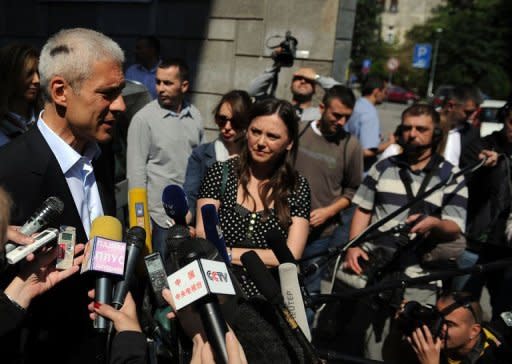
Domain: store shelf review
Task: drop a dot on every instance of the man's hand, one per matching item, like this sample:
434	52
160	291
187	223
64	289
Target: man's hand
352	257
124	319
40	275
307	73
491	155
319	216
426	348
423	224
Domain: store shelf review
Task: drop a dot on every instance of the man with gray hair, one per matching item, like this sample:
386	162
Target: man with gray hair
67	156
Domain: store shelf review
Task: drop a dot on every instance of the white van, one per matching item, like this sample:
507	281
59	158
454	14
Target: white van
487	116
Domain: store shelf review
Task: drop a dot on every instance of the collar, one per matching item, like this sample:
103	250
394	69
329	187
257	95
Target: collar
152	70
66	156
316	128
485	339
402	162
186	110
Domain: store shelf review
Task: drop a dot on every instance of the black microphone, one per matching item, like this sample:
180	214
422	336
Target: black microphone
270	289
135	238
175	203
213	231
276	242
215	327
44	215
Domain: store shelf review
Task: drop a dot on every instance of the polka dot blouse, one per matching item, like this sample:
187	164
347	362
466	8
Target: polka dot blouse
241	227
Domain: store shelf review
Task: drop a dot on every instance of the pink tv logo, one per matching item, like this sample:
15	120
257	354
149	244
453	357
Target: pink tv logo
109	256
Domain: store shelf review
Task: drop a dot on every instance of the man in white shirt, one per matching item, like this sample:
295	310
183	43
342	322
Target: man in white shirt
81	80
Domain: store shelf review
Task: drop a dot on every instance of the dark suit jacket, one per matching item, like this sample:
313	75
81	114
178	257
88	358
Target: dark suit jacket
58	321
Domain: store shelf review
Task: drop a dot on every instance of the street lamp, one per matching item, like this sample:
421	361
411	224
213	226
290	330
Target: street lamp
434	62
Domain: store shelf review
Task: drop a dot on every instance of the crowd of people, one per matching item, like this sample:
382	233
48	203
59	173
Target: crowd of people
319	176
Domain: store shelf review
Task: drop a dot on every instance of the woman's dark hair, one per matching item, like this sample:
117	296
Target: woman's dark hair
240	103
13	58
284	178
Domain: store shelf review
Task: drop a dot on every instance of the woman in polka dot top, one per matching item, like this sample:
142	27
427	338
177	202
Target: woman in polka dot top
260	190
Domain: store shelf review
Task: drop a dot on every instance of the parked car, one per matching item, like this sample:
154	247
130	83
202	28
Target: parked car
487	116
402	95
440	94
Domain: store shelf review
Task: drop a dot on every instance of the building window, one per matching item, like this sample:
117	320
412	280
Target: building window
393	6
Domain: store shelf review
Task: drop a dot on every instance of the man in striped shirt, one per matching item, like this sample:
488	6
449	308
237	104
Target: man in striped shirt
390	184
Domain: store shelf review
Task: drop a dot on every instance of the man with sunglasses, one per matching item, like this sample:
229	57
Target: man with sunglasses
463	340
161	137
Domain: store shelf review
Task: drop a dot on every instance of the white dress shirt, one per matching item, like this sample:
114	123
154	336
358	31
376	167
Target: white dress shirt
79	174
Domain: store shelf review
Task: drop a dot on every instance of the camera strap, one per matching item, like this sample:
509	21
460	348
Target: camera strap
432	167
460	301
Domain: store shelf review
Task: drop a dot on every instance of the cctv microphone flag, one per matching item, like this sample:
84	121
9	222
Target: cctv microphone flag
199	279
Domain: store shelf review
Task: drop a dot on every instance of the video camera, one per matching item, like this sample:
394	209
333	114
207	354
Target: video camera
415	315
288	48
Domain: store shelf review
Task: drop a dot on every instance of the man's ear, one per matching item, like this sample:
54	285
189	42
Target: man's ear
321	106
184	86
289	146
59	89
475	330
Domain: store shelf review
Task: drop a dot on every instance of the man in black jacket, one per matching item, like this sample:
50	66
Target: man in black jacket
81	80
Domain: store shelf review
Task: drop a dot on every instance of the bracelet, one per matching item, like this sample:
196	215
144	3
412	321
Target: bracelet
14	303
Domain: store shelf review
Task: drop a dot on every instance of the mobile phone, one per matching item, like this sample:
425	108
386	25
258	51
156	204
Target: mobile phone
157	276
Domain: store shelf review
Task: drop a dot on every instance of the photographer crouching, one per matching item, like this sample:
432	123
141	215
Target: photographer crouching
452	332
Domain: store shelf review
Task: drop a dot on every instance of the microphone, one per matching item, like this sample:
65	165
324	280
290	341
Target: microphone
199	281
283	254
292	294
138	212
135	238
105	254
175	204
275	241
44	215
269	288
213	231
176	207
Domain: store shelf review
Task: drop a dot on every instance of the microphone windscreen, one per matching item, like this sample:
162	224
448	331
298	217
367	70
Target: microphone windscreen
261	277
212	230
196	248
136	235
55	204
292	295
277	242
175	203
107	227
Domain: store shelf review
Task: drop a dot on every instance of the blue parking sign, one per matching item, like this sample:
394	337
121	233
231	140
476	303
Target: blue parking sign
422	55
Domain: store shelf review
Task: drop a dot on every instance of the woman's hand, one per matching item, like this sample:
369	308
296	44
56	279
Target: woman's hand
40	275
124	319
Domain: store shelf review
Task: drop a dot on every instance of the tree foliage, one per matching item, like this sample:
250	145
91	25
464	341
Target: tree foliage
474	44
